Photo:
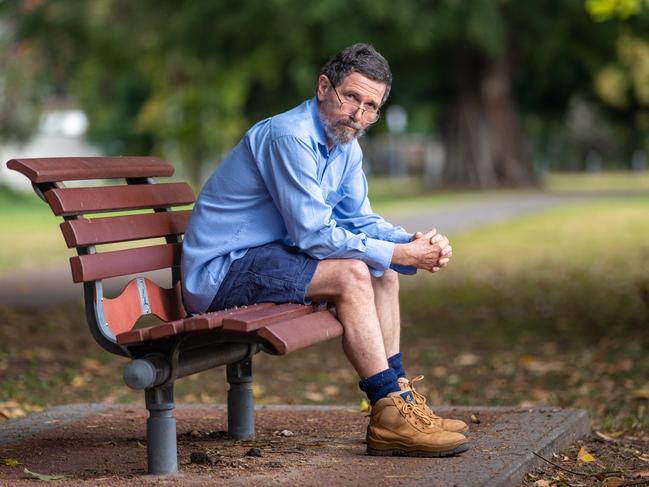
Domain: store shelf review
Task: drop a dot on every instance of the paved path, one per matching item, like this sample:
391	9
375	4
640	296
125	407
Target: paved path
104	445
53	285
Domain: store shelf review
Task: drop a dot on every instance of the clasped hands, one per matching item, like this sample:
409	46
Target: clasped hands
430	251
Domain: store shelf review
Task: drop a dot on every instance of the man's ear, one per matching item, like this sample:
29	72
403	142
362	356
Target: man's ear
323	85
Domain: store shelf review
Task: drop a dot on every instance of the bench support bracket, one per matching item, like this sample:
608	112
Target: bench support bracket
241	408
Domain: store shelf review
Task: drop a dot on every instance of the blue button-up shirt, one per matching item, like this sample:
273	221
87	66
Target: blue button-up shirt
281	182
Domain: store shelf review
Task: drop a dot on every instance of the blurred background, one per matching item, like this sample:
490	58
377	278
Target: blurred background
494	102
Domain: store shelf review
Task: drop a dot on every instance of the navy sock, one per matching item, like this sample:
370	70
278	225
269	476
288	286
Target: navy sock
379	385
395	364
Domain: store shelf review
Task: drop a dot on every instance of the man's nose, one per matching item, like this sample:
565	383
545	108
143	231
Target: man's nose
358	115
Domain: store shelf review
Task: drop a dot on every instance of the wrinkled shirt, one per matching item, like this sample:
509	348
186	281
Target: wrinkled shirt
281	182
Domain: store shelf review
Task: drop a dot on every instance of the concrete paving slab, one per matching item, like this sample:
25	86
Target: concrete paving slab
105	445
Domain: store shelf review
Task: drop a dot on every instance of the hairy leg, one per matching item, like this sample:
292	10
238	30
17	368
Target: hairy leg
386	298
348	284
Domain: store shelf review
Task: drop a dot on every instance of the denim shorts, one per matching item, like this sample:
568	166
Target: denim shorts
271	273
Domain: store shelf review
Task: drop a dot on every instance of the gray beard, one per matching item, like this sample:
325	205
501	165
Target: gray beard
341	137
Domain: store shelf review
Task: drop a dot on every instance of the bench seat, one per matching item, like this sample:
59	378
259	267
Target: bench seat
281	328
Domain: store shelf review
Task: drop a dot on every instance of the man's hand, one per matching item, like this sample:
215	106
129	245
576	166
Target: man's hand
430	251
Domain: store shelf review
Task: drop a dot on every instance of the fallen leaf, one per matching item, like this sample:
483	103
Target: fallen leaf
467	359
612	482
475	419
286	433
314	396
10	462
542	483
78	381
43	477
643	474
331	390
642	393
364	406
604	436
584	456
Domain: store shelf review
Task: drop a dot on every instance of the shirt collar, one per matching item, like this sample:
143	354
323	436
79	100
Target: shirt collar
321	137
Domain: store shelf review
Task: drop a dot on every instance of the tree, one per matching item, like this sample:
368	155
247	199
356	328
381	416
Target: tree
184	79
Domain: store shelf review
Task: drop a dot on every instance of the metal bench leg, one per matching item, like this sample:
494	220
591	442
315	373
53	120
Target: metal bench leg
241	411
161	430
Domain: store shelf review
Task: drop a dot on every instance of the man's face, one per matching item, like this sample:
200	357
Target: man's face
340	125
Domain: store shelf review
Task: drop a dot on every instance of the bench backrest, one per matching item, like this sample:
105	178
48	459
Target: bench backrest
148	216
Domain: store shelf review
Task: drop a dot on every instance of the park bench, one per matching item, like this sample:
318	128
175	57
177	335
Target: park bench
179	344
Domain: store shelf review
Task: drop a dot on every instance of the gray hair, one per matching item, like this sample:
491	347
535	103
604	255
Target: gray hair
362	59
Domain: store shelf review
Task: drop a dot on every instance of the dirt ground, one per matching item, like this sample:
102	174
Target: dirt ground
306	447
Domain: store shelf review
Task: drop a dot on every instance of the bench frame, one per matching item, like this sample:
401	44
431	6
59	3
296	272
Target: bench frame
182	345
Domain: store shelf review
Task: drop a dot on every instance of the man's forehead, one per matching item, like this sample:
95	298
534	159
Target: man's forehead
364	85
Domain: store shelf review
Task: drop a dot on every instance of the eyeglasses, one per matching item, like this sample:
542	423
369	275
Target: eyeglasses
369	116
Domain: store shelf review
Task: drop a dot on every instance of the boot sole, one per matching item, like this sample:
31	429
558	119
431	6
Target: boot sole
389	452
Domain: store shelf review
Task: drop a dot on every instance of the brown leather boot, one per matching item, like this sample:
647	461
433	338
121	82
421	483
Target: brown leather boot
454	425
398	426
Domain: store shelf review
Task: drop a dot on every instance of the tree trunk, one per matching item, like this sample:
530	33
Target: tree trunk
482	135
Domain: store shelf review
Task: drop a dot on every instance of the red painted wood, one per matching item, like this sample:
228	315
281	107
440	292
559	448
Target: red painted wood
167	330
78	201
292	335
134	336
54	169
92	267
255	319
105	230
212	321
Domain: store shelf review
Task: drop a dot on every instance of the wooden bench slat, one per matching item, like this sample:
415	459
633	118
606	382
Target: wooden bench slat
133	337
74	201
54	169
255	319
95	231
205	322
288	336
167	330
92	267
212	321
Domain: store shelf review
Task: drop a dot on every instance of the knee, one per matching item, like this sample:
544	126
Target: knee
356	278
390	280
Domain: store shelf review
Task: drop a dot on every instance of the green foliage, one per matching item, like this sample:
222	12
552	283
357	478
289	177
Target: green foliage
184	79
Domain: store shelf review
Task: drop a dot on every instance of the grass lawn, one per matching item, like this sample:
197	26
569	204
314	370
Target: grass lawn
547	309
32	237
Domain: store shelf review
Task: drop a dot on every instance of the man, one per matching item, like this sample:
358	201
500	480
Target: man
285	218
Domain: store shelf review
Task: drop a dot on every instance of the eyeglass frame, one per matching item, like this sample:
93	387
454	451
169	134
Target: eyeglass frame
363	110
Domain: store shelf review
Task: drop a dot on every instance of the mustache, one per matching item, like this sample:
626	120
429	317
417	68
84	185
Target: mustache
348	123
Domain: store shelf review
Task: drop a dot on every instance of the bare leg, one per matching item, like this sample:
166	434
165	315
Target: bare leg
348	284
386	298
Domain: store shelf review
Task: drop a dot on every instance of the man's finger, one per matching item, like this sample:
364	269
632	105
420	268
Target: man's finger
435	269
431	233
443	262
417	235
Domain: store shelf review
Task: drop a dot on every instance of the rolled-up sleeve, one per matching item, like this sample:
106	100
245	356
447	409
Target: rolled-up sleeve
289	171
354	212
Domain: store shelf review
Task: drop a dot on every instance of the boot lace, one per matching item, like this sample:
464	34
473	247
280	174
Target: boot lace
420	399
410	409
